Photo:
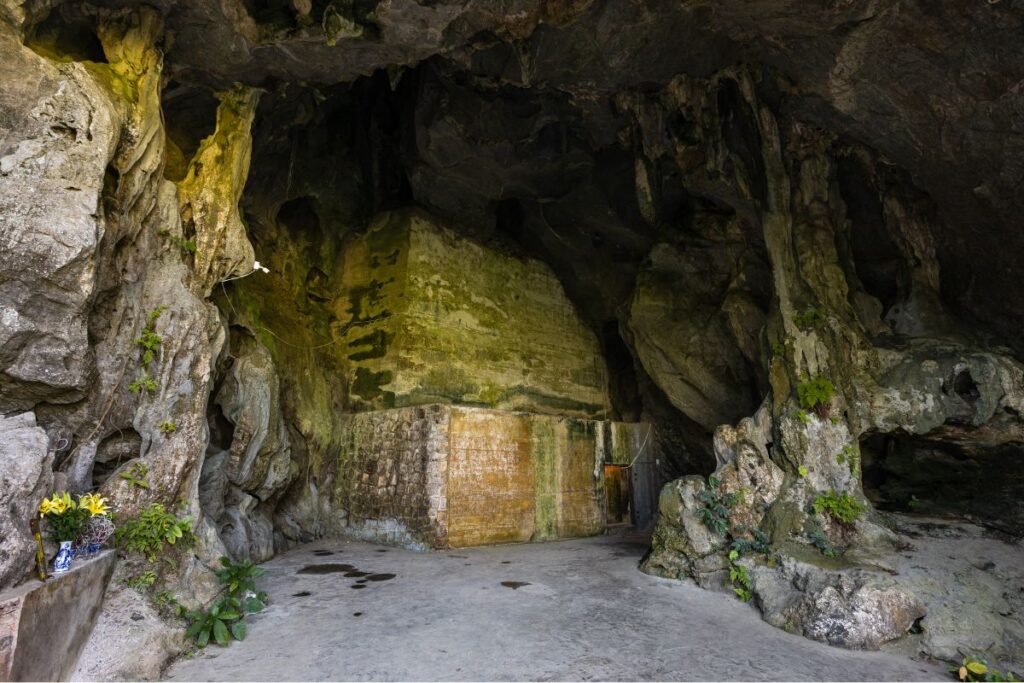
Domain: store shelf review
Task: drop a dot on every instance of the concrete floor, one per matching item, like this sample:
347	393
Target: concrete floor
584	613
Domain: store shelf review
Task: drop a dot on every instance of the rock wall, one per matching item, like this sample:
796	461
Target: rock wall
693	237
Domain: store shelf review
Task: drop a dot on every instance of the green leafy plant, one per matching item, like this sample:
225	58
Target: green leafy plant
145	382
913	503
802	416
136	475
739	577
850	455
717	507
221	623
802	471
977	669
840	506
240	580
149	340
809	318
168	427
816	394
757	543
188	246
152	530
141	582
224	621
778	348
820	541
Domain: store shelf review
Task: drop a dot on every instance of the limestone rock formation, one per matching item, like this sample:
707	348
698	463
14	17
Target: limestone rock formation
25	478
782	236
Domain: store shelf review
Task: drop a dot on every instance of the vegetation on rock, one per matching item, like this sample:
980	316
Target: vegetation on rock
152	530
840	506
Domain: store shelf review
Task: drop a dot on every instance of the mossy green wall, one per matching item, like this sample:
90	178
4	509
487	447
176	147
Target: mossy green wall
430	317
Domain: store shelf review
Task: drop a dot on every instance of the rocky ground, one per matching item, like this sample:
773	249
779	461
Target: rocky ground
569	610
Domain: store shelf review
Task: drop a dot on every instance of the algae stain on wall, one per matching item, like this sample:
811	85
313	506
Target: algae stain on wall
430	317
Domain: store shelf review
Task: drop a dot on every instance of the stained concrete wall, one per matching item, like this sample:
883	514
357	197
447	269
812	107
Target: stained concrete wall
44	626
447	476
427	316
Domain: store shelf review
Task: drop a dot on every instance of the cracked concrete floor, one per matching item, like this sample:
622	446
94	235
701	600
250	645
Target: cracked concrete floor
567	610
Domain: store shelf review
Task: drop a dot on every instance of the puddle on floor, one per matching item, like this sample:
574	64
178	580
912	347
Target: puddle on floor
358	586
301	594
382	550
357	614
380	577
329	568
356	574
506	562
323	553
515	585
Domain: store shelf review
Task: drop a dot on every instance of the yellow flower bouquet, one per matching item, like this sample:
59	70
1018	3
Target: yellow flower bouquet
66	518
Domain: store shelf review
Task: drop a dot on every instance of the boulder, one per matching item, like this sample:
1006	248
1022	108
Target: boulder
25	479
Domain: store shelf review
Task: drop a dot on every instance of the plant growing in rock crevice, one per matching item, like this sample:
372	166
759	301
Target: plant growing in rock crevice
739	577
717	507
816	394
152	530
187	246
850	456
136	475
841	507
149	341
809	318
820	541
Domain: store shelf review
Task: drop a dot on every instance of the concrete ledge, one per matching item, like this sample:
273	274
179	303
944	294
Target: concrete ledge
44	626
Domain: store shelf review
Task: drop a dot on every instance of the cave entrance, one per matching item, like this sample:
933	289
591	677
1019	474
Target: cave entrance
941	478
618	489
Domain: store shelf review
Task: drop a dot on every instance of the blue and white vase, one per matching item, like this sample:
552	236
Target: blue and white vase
94	548
62	562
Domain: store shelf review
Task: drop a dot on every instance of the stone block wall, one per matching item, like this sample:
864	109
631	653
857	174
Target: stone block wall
445	476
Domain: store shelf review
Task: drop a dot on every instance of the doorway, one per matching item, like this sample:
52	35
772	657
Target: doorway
618	487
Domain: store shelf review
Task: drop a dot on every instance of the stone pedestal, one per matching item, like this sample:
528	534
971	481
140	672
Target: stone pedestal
44	626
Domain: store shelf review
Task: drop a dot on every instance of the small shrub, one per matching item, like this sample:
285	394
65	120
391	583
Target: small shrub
221	623
913	503
168	427
816	394
149	340
224	621
842	506
757	543
739	577
240	580
802	416
716	510
136	475
809	318
145	382
152	530
802	471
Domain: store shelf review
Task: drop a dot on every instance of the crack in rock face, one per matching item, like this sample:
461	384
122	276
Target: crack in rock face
439	274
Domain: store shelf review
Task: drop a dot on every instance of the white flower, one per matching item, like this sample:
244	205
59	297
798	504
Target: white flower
259	266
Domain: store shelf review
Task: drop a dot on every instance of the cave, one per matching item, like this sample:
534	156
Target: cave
630	296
